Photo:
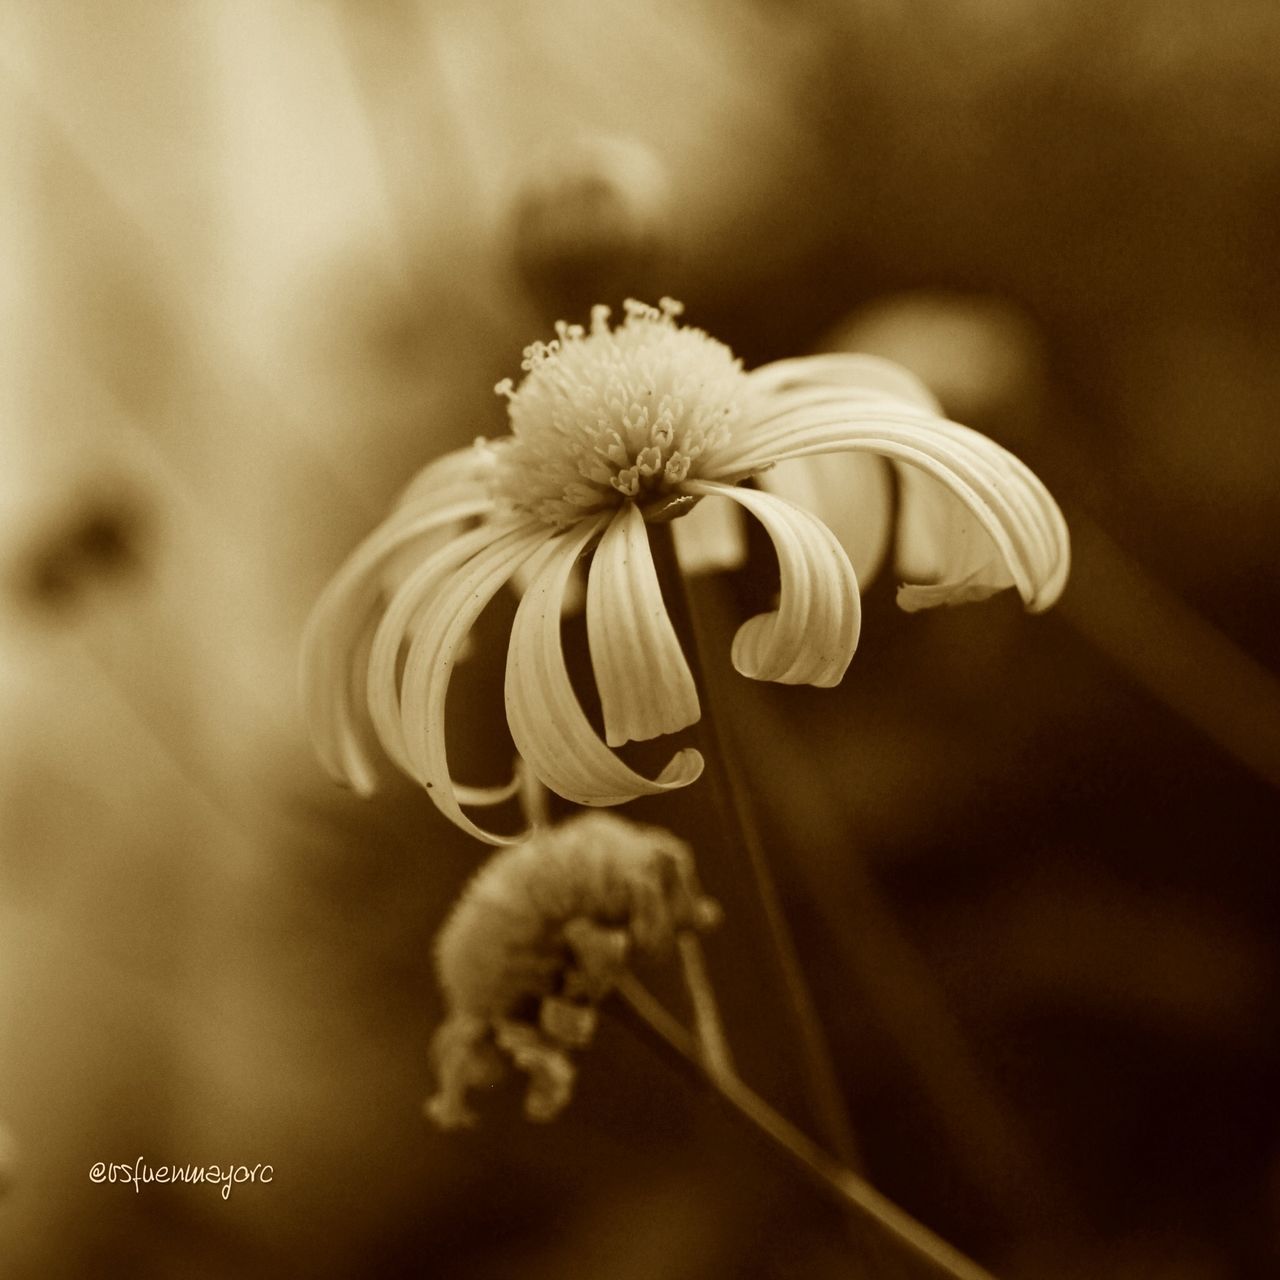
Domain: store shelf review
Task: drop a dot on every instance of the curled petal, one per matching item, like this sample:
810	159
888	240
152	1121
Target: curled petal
943	554
851	375
810	638
852	493
646	688
448	618
1010	506
407	614
481	796
335	641
549	727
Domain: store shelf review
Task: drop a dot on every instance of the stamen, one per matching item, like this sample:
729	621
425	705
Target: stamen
608	415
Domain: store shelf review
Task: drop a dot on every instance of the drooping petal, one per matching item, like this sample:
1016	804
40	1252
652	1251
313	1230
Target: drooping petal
852	374
471	468
547	722
409	611
460	473
854	496
646	688
943	554
429	666
575	593
1011	506
810	638
333	655
853	493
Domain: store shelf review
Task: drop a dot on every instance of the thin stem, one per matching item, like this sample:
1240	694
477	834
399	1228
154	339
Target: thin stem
713	1045
8	1158
817	1070
533	797
828	1175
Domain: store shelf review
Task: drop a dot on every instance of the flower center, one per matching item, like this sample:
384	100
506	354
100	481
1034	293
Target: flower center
611	415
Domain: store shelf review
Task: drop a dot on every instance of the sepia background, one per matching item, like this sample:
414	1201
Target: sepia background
262	259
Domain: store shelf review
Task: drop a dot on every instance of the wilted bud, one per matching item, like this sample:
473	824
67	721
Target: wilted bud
538	938
592	223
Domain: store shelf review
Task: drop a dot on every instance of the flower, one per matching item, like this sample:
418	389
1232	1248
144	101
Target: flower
538	938
615	428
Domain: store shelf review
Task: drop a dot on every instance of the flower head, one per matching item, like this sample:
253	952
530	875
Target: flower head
611	430
613	415
538	938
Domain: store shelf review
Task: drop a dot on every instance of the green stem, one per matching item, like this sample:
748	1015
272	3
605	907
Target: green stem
652	1021
818	1074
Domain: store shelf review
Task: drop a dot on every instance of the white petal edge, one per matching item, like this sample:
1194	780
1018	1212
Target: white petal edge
853	495
547	722
943	554
866	375
474	466
407	614
646	687
811	637
331	674
1014	508
429	666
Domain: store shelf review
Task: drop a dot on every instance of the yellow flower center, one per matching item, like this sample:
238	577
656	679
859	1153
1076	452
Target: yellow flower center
612	415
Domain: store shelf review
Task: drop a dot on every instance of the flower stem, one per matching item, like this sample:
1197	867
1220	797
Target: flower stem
817	1070
8	1159
533	797
651	1020
713	1045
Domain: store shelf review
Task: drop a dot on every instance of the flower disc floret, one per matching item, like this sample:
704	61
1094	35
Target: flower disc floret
610	414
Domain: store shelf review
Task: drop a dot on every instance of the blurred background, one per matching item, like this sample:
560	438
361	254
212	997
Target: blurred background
261	260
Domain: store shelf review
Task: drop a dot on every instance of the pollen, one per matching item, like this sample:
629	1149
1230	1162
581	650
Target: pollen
609	415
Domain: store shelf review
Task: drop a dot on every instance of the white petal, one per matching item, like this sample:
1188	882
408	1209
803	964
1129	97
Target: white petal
549	727
340	626
575	594
810	638
407	615
432	655
646	688
852	493
479	797
1011	506
943	553
471	468
860	375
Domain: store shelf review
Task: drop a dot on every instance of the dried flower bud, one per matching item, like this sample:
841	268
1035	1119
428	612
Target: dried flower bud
538	938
